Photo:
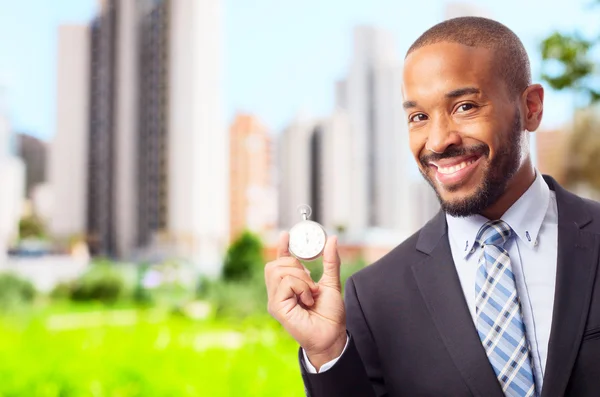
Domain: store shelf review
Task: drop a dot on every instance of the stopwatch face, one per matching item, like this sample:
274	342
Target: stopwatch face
307	240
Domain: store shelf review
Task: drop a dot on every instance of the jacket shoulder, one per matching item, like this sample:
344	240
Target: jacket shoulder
394	263
593	209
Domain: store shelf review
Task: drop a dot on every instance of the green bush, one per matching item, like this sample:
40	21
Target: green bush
15	291
236	299
31	227
103	283
244	258
242	299
62	291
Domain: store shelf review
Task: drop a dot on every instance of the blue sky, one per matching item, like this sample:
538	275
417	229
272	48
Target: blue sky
280	56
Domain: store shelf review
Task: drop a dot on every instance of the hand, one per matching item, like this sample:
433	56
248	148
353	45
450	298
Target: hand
313	314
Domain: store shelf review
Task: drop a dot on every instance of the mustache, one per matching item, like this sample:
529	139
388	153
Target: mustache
454	151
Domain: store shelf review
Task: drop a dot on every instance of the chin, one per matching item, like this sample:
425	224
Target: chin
462	201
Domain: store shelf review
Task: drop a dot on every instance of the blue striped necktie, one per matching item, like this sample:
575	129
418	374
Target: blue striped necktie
499	319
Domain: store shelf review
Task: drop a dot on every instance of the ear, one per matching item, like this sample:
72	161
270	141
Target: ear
533	100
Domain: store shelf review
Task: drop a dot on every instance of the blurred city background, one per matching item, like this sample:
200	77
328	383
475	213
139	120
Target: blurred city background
152	150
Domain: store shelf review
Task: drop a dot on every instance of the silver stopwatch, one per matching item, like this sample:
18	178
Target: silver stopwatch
307	238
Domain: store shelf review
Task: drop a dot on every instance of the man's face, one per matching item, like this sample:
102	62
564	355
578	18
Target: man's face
465	129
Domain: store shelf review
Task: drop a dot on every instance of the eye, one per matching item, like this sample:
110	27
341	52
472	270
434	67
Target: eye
417	117
465	107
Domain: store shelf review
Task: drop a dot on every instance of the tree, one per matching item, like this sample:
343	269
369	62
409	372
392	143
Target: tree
244	257
568	64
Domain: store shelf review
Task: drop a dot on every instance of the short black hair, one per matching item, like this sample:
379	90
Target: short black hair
512	62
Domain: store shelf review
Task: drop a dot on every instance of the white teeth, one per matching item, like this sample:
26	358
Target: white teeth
454	168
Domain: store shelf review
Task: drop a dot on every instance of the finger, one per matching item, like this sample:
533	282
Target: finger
283	249
291	287
280	267
331	264
279	273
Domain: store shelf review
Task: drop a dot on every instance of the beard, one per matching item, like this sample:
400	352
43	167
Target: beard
496	175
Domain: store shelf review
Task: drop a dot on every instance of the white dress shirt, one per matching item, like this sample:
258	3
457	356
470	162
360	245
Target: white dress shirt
533	254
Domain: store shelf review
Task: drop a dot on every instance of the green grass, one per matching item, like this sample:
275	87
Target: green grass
67	351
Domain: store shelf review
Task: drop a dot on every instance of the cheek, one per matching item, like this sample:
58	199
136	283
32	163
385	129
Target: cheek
417	145
490	129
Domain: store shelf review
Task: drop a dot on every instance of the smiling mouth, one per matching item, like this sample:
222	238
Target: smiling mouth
451	169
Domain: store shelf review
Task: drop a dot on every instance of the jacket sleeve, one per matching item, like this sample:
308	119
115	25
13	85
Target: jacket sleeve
358	371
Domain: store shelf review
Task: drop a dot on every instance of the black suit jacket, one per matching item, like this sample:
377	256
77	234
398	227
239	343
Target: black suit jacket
411	333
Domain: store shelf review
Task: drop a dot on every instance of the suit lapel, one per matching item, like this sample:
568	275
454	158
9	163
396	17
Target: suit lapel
576	268
440	286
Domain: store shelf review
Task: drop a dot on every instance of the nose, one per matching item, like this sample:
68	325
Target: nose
442	135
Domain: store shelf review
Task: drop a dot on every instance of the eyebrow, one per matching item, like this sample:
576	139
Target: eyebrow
452	94
409	104
462	92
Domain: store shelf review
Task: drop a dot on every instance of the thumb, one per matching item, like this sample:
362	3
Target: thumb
331	264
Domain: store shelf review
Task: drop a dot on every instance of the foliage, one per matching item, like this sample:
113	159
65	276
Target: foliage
31	227
244	257
242	299
63	354
568	64
102	282
170	283
15	291
235	299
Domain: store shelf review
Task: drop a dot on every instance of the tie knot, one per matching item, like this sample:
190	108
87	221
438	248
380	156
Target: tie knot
494	233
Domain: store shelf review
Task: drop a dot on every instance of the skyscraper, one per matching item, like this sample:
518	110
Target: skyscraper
315	164
253	200
371	94
294	177
197	141
101	138
33	153
332	186
126	120
68	152
171	164
153	115
157	154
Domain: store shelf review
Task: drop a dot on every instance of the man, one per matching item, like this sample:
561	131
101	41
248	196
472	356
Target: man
497	295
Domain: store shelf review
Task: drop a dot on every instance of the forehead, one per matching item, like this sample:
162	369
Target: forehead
435	69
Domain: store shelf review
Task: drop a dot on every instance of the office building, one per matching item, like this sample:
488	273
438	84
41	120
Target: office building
158	158
372	97
197	141
294	177
33	152
68	151
315	168
253	201
100	222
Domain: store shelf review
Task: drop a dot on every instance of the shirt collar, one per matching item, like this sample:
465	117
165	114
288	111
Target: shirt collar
525	217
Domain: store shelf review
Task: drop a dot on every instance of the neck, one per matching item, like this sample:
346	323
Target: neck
515	188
